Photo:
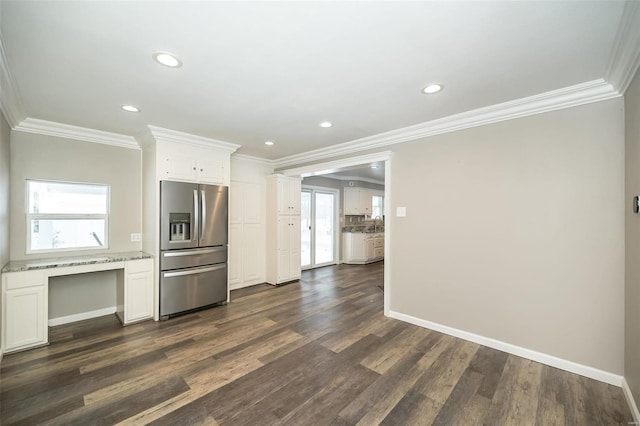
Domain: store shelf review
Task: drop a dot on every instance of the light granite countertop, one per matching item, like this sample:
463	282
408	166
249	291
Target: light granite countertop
57	262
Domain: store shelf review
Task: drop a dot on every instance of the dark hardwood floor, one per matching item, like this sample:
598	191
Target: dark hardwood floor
315	352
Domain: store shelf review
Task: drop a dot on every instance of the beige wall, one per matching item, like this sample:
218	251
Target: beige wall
515	231
632	241
44	157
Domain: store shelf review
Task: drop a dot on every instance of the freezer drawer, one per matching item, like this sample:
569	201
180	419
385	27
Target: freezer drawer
179	259
192	288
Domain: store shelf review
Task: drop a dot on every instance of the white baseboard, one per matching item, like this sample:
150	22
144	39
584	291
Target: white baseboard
630	401
81	316
563	364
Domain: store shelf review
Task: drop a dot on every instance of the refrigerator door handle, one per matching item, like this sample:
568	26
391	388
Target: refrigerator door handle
193	252
194	271
196	222
204	213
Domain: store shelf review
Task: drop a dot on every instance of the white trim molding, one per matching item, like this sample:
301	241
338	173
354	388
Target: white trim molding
625	56
563	364
51	128
626	390
579	94
258	160
81	316
10	100
332	166
160	133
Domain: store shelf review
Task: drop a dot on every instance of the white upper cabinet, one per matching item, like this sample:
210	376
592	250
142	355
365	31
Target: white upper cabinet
190	158
357	201
289	195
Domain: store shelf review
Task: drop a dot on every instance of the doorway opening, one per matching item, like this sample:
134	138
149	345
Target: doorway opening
318	227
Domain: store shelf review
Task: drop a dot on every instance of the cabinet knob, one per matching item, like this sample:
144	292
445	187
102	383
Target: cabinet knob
200	169
194	168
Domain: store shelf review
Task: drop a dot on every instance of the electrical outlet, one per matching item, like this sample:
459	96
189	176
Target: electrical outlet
136	237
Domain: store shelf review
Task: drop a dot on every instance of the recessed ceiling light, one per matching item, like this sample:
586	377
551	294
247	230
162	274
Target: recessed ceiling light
432	88
326	124
130	108
374	166
268	143
167	59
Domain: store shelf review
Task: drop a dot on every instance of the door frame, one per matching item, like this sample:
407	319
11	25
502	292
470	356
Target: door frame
336	223
330	166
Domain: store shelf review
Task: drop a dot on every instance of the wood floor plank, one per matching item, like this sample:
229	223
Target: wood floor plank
516	398
313	352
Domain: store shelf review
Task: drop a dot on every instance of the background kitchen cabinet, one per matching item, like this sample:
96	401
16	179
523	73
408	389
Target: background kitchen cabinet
246	247
357	201
359	248
283	229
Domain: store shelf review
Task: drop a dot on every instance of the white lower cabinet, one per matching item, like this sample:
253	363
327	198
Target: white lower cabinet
359	248
138	290
24	310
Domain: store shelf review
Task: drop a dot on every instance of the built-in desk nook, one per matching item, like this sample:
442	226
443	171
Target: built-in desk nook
25	292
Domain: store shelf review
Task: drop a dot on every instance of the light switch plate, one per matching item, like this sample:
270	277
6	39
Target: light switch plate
401	211
136	237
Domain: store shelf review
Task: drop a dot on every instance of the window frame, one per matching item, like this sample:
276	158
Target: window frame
30	217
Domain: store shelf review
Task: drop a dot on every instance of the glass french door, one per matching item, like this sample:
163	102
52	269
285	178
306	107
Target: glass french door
317	228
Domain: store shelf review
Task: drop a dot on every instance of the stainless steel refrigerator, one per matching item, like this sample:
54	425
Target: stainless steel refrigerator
193	246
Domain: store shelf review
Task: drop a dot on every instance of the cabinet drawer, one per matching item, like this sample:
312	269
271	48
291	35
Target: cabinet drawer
378	253
378	242
25	279
142	265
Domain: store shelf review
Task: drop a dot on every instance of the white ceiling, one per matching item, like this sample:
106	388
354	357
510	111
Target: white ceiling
256	71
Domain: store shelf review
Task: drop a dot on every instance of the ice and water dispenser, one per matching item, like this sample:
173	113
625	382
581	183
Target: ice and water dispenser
179	226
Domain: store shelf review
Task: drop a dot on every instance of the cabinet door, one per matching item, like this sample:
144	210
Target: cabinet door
365	201
210	171
369	248
25	321
252	203
358	250
138	303
351	201
180	167
236	202
378	252
254	252
294	259
295	188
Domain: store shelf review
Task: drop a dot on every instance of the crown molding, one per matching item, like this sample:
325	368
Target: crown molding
579	94
625	57
251	158
10	101
335	165
162	134
50	128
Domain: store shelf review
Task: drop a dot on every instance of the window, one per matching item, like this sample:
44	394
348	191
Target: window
66	216
377	210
